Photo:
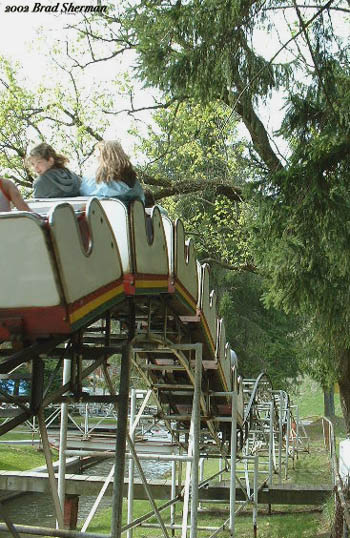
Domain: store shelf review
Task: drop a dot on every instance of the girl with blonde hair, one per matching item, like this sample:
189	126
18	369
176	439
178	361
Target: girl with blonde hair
54	180
115	176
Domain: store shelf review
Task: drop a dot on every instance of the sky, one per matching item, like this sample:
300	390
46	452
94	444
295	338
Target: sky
19	29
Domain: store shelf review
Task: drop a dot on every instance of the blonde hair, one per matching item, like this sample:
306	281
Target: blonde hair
114	164
45	151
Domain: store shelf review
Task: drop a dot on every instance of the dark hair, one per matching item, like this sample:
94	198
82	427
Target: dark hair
45	151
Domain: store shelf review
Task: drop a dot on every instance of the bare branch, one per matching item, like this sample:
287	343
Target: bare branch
243	267
133	110
302	6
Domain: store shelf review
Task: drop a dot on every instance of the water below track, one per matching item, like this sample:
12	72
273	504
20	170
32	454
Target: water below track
37	508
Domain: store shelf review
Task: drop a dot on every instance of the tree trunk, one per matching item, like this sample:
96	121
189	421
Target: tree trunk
328	402
344	386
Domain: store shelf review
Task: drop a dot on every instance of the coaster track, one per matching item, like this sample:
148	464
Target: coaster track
85	279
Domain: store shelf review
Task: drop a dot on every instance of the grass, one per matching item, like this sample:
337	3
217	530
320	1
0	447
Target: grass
19	435
20	458
310	400
280	524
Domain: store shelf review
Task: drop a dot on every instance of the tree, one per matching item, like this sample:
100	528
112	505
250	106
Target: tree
194	142
264	339
206	50
192	154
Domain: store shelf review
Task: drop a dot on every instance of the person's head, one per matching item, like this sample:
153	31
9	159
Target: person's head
114	164
43	157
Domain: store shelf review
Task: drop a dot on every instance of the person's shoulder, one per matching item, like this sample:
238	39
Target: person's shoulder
87	185
51	173
7	182
87	178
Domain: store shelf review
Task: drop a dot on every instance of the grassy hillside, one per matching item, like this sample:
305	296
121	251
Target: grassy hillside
309	398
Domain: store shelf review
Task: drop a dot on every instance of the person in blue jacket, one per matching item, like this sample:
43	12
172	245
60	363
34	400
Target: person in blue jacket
115	176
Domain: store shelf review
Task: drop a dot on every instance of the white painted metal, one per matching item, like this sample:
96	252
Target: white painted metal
131	464
287	442
44	205
169	236
173	492
223	357
255	494
207	303
26	266
118	218
271	444
196	438
150	257
233	463
63	436
280	436
83	273
50	470
201	474
185	262
344	460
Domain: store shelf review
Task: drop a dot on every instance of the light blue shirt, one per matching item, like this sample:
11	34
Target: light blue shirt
114	189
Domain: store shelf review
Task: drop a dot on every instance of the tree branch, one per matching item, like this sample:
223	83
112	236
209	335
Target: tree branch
187	187
243	267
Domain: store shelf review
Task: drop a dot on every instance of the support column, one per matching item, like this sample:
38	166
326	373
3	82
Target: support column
287	443
50	470
118	483
280	436
172	494
63	438
195	423
271	443
233	463
71	507
131	463
255	498
122	426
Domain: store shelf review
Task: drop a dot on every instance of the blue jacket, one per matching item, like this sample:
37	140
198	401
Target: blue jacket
114	189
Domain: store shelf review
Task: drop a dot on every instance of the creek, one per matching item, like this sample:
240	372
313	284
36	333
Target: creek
37	508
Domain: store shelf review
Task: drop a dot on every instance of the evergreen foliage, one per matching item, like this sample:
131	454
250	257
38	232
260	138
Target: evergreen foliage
189	140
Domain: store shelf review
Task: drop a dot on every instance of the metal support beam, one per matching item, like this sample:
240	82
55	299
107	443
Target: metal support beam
131	465
195	432
37	384
63	436
50	470
117	499
233	463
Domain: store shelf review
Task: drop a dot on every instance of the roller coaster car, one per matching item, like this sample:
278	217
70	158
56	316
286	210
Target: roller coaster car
72	260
